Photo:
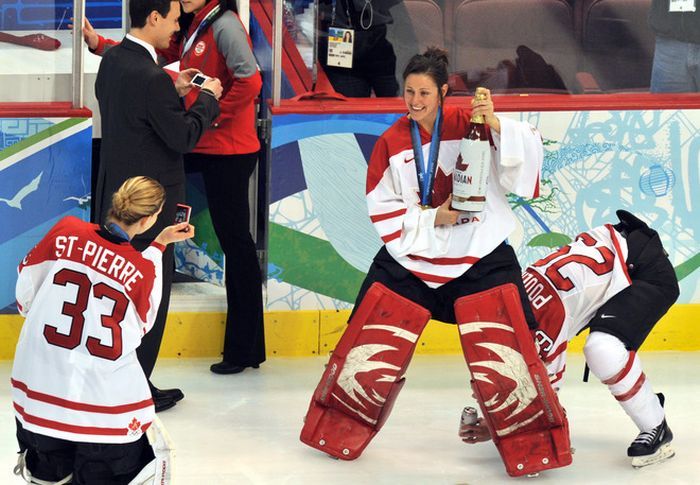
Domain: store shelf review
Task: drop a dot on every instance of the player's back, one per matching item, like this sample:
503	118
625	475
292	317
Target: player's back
568	287
87	300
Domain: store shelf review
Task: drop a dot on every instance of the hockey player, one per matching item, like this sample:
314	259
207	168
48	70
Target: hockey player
617	281
81	400
432	255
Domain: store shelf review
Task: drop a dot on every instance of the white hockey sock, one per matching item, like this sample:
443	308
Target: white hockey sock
621	371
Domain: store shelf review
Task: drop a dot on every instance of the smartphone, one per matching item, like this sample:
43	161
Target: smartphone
182	213
199	79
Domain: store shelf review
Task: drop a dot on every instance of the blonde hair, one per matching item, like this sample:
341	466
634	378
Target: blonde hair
137	197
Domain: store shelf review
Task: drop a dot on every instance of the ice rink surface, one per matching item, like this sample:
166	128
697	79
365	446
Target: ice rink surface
244	429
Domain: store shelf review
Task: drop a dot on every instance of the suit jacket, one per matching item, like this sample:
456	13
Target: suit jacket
145	128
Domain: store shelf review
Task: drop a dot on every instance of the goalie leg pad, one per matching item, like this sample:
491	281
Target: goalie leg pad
160	469
364	374
510	382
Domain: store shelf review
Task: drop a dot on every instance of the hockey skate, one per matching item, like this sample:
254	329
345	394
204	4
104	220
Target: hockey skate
653	446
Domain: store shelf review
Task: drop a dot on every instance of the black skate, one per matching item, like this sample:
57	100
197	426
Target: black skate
653	446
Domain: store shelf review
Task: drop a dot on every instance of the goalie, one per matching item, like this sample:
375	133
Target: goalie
617	281
433	255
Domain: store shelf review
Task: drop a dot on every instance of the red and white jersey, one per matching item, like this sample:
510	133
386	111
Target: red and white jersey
440	254
567	288
87	302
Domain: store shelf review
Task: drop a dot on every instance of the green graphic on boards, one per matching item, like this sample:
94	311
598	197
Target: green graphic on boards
312	263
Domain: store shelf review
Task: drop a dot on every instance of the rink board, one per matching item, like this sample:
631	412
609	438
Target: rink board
311	333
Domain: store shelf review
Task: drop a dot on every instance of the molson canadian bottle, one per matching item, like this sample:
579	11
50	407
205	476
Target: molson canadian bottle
471	174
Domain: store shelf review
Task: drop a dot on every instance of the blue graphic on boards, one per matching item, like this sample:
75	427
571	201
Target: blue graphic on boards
14	130
40	184
657	181
45	184
55	14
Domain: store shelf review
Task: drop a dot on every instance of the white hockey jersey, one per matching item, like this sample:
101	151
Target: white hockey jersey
567	288
87	302
440	254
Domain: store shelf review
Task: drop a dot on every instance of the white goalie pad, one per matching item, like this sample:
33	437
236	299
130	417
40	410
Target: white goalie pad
160	470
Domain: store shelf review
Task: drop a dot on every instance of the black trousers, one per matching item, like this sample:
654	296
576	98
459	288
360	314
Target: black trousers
147	352
631	314
53	459
496	268
226	180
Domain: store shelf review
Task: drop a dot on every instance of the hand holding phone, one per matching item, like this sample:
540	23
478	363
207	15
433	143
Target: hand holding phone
182	214
199	79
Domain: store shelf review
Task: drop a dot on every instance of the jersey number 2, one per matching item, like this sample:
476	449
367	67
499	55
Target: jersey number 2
563	258
76	311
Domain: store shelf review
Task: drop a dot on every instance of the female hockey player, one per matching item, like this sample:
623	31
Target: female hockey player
617	281
432	254
81	400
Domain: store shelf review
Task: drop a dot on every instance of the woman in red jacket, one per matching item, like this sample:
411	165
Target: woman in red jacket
216	43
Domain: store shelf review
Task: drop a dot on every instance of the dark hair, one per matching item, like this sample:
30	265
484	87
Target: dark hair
433	62
139	10
187	18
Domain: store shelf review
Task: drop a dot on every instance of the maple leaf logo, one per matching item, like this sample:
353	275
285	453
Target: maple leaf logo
135	426
460	165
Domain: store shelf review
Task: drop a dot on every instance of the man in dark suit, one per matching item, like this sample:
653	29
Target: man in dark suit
145	131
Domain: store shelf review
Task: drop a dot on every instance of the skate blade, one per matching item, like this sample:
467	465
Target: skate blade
662	454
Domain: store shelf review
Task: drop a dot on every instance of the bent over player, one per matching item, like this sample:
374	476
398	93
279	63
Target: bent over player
617	281
82	402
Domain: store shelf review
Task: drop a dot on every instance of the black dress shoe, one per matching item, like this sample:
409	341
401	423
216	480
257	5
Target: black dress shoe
172	394
224	367
175	394
163	403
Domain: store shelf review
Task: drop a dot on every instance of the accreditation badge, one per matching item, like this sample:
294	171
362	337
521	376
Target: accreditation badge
340	44
681	6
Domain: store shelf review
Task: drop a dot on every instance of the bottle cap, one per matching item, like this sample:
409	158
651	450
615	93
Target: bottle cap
479	95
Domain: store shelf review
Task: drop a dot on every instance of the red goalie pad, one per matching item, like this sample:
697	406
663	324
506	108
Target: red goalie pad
364	374
526	421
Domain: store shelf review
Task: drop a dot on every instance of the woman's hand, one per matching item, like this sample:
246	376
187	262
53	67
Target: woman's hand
475	433
90	35
175	233
484	107
445	216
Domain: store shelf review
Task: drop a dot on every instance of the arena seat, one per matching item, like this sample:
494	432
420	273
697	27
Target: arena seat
617	43
418	24
514	45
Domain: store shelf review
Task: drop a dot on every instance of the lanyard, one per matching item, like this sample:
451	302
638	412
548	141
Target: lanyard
117	231
426	174
347	13
206	21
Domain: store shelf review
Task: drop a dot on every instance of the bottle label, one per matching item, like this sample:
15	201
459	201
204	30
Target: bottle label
470	177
